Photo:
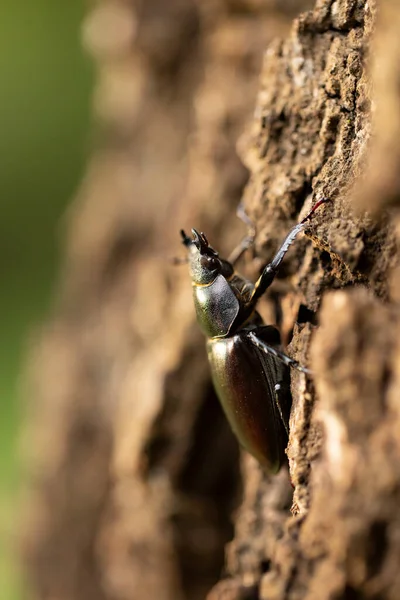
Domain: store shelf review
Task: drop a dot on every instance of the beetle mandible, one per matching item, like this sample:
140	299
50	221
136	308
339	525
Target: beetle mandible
249	369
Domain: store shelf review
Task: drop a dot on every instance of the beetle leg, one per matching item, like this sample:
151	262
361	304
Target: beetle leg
240	249
280	393
248	241
290	362
270	271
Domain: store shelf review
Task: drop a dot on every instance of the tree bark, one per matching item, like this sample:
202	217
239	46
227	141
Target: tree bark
135	475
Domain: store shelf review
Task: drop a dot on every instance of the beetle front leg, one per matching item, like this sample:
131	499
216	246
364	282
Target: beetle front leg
271	270
290	362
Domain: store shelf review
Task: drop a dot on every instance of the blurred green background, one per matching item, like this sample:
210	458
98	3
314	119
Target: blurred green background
45	87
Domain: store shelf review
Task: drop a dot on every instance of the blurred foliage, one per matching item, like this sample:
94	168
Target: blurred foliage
45	83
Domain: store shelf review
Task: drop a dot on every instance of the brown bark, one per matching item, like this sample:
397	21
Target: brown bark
135	474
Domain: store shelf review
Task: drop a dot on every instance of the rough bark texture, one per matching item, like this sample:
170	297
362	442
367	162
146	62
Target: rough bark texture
135	482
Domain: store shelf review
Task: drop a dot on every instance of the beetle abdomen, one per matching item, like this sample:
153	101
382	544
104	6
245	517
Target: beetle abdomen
244	380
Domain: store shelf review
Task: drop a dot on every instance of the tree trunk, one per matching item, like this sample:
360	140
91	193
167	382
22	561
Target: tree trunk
135	480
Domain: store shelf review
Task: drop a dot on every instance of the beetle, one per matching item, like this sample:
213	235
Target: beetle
250	371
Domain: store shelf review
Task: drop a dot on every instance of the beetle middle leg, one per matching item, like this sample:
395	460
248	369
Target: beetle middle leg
269	349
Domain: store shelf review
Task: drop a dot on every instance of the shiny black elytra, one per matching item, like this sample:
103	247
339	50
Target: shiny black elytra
250	372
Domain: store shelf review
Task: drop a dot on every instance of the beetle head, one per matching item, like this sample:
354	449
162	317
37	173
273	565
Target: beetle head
204	262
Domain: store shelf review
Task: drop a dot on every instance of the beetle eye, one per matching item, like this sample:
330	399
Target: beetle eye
210	262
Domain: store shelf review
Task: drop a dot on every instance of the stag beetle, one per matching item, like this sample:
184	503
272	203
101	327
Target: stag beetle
249	369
